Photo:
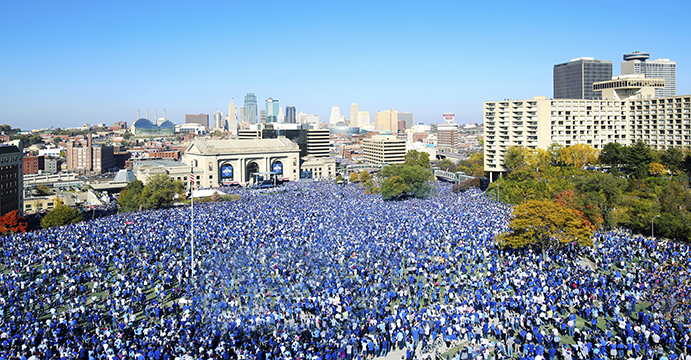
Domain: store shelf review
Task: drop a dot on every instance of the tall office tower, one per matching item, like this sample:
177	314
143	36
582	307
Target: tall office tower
241	114
272	109
447	134
386	121
219	124
202	119
408	118
302	118
574	79
232	118
281	117
335	115
636	63
250	113
262	116
354	118
290	114
364	120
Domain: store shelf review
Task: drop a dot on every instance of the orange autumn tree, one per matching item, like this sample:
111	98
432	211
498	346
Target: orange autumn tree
546	225
13	223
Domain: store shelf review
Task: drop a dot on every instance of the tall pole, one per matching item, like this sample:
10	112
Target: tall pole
192	218
652	225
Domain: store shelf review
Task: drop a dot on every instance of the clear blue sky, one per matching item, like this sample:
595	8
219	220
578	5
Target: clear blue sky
65	63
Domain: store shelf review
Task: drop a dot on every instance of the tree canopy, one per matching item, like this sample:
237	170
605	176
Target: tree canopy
61	215
419	158
546	225
416	178
159	192
13	223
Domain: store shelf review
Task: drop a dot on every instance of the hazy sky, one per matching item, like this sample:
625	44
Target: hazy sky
65	63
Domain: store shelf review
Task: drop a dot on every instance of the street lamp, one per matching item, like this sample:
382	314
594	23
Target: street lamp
652	225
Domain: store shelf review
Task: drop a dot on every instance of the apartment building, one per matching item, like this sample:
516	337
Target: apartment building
537	123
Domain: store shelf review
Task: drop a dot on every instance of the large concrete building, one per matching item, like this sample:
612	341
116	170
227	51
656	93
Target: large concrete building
249	113
201	119
537	123
637	63
227	162
384	149
11	177
574	79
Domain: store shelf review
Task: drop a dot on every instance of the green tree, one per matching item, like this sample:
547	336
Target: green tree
603	192
614	155
474	165
638	158
57	140
126	136
414	157
546	225
416	177
35	139
61	215
365	176
130	197
353	177
395	188
514	158
673	159
159	192
340	179
447	164
5	128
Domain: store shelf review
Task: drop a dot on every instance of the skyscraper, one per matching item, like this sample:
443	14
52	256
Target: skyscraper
574	79
335	115
386	121
262	116
636	63
281	117
272	108
219	124
232	118
364	120
354	118
250	113
290	114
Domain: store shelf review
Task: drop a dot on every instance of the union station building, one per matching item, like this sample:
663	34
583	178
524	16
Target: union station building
237	162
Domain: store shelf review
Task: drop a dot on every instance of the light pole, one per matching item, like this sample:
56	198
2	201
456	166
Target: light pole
652	225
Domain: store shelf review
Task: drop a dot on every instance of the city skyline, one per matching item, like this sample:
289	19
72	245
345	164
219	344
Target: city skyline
68	64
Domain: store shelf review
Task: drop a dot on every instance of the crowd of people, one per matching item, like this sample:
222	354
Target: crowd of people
324	272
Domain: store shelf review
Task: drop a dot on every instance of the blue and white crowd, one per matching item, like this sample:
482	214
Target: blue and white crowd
324	272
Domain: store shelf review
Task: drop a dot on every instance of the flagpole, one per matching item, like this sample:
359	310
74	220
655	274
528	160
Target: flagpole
192	218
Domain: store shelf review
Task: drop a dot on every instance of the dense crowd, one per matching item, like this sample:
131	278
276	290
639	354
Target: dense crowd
324	272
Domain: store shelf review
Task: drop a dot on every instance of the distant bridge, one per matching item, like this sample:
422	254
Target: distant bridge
454	177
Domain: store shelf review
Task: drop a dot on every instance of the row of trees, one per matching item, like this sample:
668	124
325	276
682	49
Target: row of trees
160	191
628	191
638	160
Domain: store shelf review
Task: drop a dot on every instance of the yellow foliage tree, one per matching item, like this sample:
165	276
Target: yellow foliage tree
536	159
354	177
547	225
578	155
655	168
